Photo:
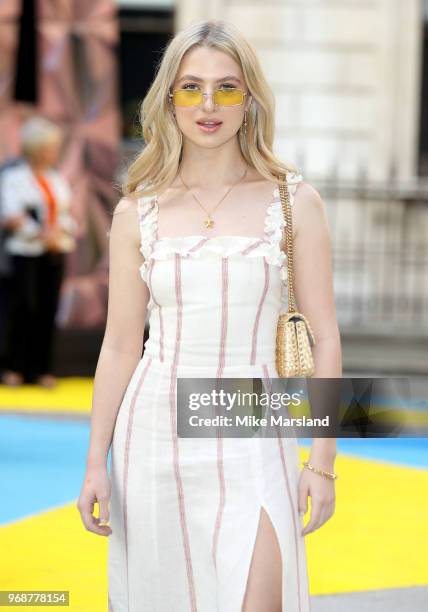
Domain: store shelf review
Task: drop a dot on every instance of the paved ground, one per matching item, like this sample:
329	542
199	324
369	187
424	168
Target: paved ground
388	600
390	355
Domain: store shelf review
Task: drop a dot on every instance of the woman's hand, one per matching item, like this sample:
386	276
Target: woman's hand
15	222
96	488
323	498
51	237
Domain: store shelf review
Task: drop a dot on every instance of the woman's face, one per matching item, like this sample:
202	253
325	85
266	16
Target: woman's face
205	69
48	153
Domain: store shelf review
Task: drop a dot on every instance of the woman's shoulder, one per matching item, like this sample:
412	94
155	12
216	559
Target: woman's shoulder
125	220
133	203
125	204
303	191
309	209
306	194
15	171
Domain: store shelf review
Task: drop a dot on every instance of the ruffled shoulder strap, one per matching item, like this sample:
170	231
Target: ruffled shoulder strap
275	222
147	207
293	180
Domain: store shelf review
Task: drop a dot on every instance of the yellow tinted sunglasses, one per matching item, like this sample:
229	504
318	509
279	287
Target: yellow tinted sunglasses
195	97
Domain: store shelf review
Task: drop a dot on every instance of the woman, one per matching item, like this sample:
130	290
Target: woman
35	209
211	524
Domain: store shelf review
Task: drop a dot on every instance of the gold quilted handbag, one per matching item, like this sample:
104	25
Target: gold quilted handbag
294	336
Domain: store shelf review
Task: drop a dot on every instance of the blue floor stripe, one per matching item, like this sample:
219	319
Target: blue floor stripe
42	463
42	460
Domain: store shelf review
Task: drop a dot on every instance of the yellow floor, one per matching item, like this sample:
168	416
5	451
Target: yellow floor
378	536
376	539
71	394
74	394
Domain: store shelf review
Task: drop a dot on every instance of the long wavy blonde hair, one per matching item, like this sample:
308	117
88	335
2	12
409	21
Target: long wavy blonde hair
157	164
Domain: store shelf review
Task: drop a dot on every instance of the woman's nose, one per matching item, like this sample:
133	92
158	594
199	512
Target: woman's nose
208	102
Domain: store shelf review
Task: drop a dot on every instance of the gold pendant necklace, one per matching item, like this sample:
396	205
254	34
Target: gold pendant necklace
209	221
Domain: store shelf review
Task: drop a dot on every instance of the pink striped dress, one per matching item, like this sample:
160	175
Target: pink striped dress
184	512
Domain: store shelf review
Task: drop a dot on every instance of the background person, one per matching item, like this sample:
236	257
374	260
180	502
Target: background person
35	211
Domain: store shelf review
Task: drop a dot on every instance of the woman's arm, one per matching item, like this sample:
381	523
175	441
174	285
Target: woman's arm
315	298
120	353
123	338
13	197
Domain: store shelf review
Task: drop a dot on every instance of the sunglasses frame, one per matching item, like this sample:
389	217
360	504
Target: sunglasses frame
171	94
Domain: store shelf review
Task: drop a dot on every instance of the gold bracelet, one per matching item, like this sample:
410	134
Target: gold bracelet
331	475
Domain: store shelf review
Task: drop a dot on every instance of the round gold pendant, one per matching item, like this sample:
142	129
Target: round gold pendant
209	222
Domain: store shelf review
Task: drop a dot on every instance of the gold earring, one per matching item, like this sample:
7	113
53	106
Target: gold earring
244	125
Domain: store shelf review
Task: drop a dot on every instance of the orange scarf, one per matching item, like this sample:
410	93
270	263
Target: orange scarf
50	200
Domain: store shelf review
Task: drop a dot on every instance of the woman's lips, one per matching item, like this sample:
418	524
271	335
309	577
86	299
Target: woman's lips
209	128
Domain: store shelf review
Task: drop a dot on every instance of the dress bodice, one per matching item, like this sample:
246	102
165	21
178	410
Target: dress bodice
214	300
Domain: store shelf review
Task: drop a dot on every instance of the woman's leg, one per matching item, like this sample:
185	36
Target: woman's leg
21	314
264	583
50	277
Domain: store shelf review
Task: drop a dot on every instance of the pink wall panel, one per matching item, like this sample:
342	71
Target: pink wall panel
78	88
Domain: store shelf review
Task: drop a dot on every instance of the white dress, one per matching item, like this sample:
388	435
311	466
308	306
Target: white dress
184	512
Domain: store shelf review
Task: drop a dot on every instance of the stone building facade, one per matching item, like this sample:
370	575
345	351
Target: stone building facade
346	77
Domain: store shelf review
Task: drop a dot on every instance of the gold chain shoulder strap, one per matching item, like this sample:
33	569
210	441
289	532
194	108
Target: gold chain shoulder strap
286	209
294	337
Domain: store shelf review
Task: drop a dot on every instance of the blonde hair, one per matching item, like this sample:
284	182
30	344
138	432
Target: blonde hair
157	164
38	132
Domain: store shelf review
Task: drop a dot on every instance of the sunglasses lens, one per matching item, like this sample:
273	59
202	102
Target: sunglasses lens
187	97
194	97
228	97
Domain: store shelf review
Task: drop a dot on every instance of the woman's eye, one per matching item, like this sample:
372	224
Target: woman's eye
226	85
